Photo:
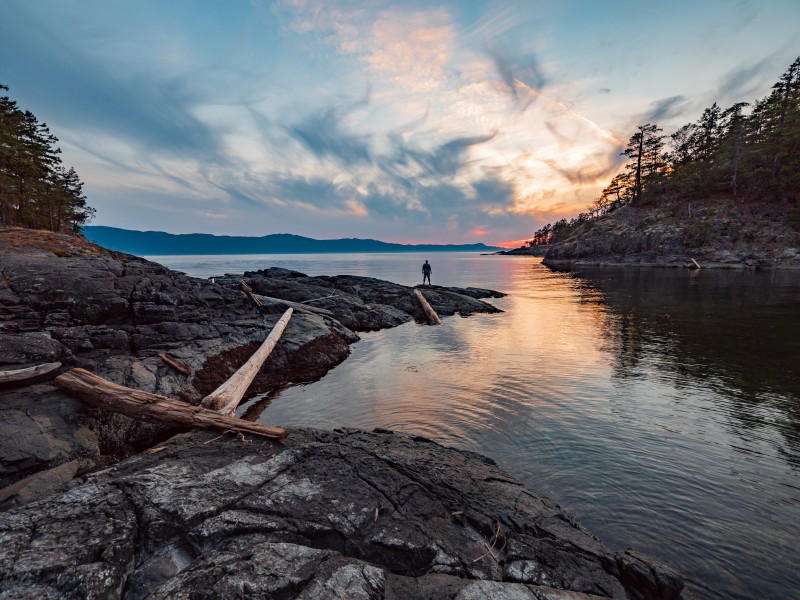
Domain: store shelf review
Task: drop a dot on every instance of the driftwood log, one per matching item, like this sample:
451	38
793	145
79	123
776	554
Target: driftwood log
18	375
227	397
259	300
101	393
297	305
176	364
433	318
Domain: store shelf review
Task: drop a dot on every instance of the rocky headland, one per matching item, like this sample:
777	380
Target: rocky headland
722	233
101	506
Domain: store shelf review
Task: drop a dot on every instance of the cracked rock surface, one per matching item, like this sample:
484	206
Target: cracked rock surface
324	514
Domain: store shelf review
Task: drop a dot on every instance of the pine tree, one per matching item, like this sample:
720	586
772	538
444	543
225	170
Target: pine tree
36	191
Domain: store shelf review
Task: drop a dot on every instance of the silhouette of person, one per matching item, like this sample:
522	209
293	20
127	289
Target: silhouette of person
426	273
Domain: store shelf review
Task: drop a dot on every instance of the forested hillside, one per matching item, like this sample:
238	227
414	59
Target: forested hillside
746	153
36	190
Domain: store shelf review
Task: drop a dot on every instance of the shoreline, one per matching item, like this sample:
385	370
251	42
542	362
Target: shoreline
67	300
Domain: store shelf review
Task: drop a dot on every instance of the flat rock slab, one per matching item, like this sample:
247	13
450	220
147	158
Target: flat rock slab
325	514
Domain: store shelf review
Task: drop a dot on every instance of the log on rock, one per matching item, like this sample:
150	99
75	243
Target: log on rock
227	397
176	364
101	393
297	305
259	300
26	373
433	318
248	291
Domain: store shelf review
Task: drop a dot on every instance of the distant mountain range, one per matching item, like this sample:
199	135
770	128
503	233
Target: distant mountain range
150	243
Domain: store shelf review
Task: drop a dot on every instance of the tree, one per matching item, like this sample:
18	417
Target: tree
35	189
645	151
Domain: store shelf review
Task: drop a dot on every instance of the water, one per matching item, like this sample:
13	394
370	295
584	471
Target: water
660	407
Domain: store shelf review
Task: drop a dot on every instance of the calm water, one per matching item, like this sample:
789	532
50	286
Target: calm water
660	407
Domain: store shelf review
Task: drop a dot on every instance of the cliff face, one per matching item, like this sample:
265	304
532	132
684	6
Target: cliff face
720	233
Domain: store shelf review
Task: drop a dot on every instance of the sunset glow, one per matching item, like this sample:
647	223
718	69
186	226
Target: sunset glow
449	122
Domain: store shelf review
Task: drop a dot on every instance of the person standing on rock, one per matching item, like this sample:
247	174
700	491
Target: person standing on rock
426	273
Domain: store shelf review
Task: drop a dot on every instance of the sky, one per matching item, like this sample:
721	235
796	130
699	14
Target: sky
407	121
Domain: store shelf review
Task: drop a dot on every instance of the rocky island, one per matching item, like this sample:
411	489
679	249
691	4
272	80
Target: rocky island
723	192
97	505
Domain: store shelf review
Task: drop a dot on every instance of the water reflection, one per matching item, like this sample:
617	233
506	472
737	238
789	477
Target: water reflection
660	407
737	333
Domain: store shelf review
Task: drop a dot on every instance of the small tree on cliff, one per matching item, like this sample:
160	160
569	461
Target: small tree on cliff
645	151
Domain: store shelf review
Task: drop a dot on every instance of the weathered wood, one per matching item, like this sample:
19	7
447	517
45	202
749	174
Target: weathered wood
696	264
19	375
323	298
433	318
176	364
101	393
259	300
297	305
226	397
248	291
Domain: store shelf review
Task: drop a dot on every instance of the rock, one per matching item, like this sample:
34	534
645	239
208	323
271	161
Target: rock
365	303
721	233
325	514
42	484
64	299
41	428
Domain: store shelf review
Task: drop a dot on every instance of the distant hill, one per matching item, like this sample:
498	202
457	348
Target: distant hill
152	243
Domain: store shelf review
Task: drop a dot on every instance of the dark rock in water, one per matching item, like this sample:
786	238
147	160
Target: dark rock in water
365	303
325	514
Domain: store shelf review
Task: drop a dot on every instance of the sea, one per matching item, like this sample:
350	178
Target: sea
659	407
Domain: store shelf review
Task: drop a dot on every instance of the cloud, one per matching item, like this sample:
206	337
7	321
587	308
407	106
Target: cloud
514	70
324	136
665	109
744	81
154	113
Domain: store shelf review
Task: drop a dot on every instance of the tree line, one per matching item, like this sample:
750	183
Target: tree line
745	151
36	190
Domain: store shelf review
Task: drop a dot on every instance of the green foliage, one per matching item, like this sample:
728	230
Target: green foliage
36	190
755	155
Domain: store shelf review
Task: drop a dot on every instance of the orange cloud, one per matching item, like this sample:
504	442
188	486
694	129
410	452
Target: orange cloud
479	231
510	243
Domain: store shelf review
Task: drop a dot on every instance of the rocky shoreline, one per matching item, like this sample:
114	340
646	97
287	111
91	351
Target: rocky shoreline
90	512
718	233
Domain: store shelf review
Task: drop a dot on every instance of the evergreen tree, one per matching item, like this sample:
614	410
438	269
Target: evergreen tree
36	191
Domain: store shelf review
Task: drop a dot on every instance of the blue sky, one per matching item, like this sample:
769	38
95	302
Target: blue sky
407	121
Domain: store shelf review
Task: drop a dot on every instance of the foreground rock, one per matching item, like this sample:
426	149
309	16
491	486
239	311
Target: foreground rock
327	514
718	233
64	299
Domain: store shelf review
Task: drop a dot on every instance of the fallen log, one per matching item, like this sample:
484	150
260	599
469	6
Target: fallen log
26	373
248	291
227	397
101	393
176	364
297	305
259	300
433	318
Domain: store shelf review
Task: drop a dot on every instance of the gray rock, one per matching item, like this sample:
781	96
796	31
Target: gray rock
325	514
